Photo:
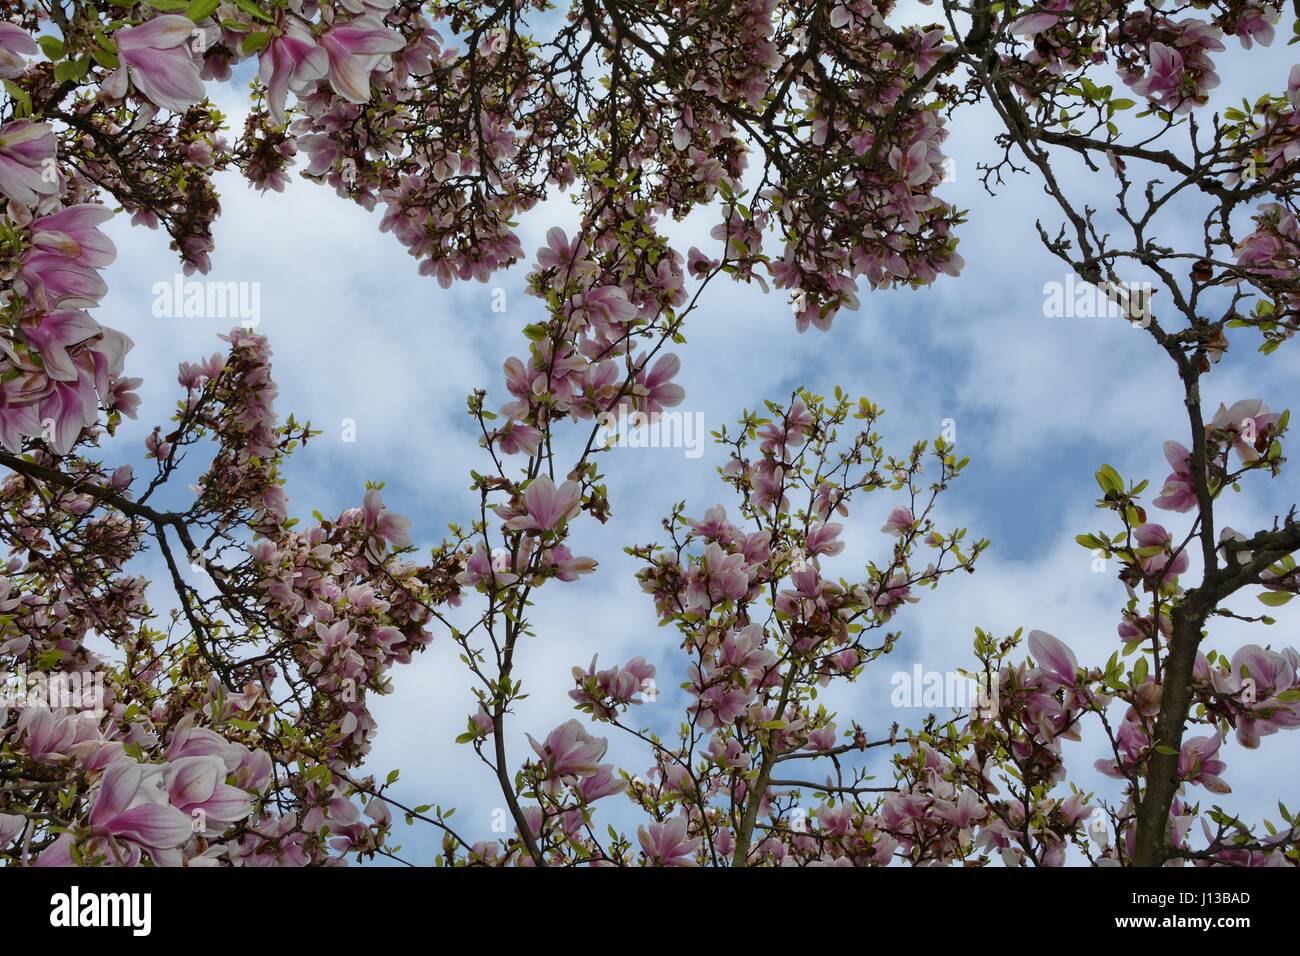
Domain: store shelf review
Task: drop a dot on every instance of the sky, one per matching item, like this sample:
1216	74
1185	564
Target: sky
1038	404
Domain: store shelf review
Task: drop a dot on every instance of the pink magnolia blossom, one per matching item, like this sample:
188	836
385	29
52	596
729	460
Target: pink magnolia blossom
1179	492
481	568
384	527
900	521
545	506
666	844
714	526
291	59
27	169
655	388
822	539
1197	763
353	51
1054	657
131	805
196	786
11	828
15	44
1248	424
157	59
74	232
1165	564
1165	75
1271	673
569	751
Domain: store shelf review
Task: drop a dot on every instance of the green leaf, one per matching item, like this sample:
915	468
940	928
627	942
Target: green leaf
202	9
253	10
1109	480
256	42
52	47
105	58
20	97
1275	598
65	72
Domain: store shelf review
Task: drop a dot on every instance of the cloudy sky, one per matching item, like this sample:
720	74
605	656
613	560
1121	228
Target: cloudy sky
1038	405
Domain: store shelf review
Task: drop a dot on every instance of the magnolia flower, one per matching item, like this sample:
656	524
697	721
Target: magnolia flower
353	50
1165	75
52	336
913	166
570	258
1056	660
27	162
157	59
74	232
900	521
698	264
964	812
1160	565
292	58
606	306
545	506
1270	674
480	567
655	388
15	44
714	526
190	741
196	786
68	250
569	751
666	844
384	527
70	407
11	828
1179	492
17	417
716	705
835	821
1032	23
823	738
130	805
1247	423
822	540
1197	763
54	734
603	783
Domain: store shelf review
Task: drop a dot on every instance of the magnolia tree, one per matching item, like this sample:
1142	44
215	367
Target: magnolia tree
232	726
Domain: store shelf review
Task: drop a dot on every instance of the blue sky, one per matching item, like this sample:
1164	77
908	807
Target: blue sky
1038	404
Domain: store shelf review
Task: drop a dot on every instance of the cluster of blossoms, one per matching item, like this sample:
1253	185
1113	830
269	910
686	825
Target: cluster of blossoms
754	665
1268	258
233	731
231	736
